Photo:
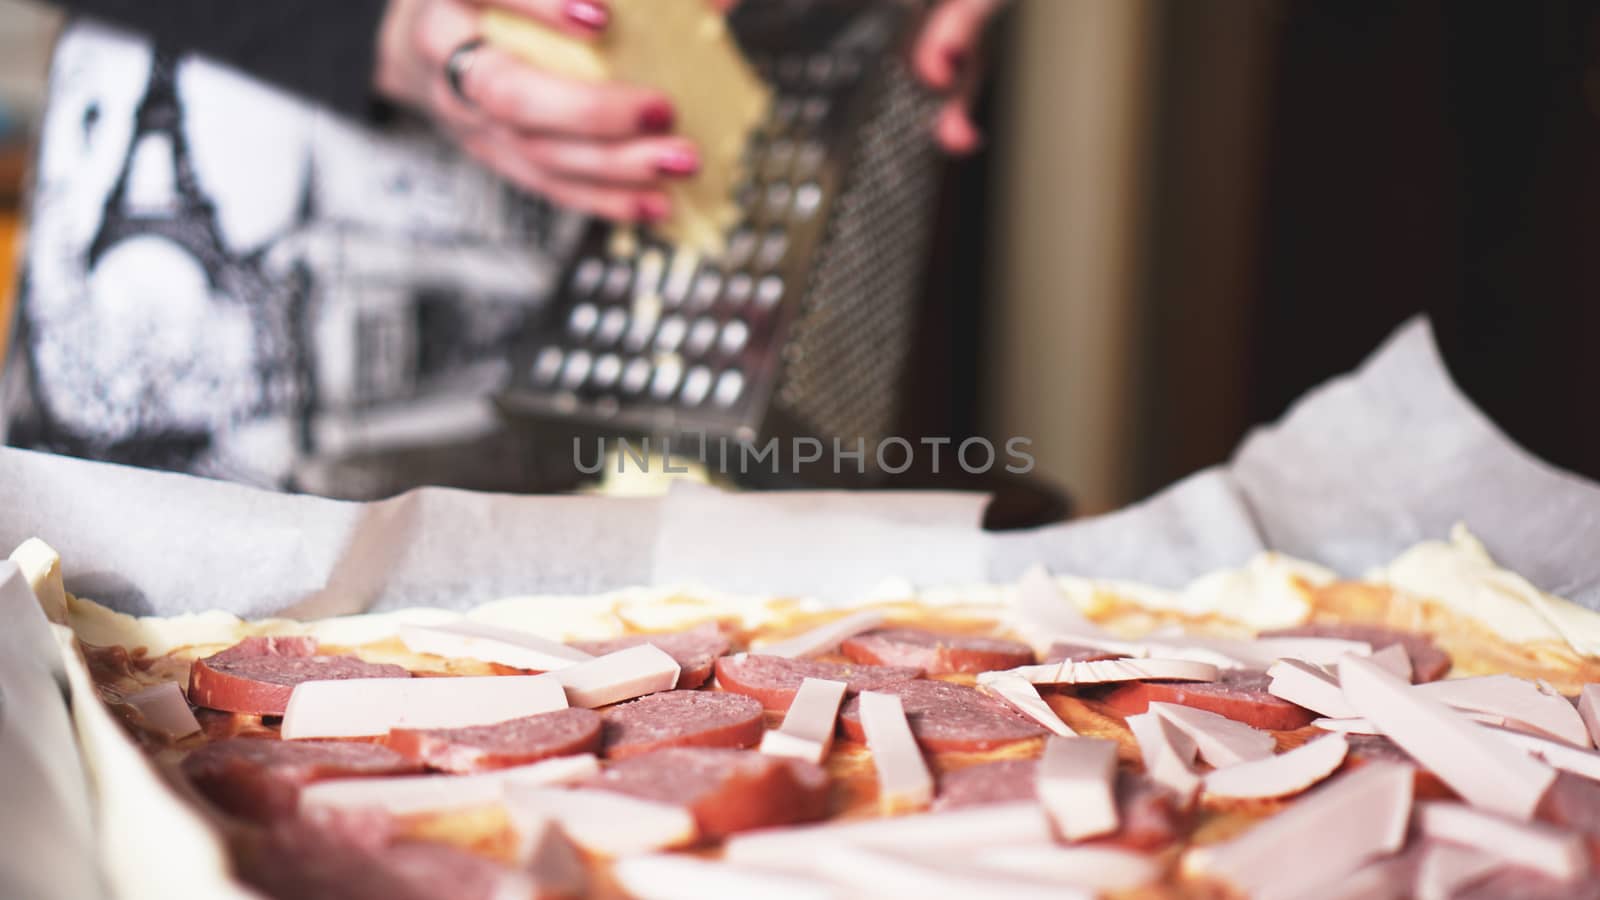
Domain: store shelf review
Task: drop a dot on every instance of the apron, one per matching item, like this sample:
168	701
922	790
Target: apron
223	279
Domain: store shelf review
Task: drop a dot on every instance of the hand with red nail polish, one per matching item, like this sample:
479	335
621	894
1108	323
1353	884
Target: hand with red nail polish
605	148
944	58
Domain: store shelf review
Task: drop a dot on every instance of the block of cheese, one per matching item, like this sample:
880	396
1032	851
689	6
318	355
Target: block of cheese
1075	782
1168	753
1562	855
808	726
1281	775
824	637
1444	870
904	782
1513	699
604	822
1219	740
1310	686
366	707
1024	697
164	708
684	49
490	643
406	794
619	676
1560	754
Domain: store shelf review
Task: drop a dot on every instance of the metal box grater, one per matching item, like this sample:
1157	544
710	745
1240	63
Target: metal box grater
803	328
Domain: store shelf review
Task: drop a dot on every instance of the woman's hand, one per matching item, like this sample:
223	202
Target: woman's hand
604	148
945	57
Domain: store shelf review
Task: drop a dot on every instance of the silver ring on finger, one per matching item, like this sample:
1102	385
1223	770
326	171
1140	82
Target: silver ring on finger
458	64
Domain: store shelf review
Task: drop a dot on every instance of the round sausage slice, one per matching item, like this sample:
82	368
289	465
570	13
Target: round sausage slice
728	791
1428	662
256	675
510	743
1151	816
773	680
682	719
936	653
945	716
1238	694
260	778
695	650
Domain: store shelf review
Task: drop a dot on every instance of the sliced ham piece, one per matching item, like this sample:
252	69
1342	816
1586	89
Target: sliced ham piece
1060	652
1168	754
1237	694
1105	869
1075	780
1573	802
1309	686
1024	698
824	638
906	872
1516	701
1108	671
1428	662
1218	740
604	822
490	643
618	676
369	707
808	726
1589	710
674	876
934	652
695	650
959	831
1517	883
1281	775
904	782
1559	855
1478	766
946	716
1320	838
164	709
1559	754
1445	869
1151	816
407	794
1395	659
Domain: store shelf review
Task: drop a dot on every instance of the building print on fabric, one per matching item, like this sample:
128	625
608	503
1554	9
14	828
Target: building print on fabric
224	280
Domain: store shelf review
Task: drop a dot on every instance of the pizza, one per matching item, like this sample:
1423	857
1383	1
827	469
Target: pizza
1269	731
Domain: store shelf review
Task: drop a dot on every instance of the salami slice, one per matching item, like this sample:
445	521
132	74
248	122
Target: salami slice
1428	662
936	653
1151	816
256	675
1238	694
945	716
682	719
1078	653
511	743
695	650
773	680
728	791
260	778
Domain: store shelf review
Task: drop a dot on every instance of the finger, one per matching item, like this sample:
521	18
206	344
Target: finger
499	151
580	18
642	161
949	41
527	99
955	131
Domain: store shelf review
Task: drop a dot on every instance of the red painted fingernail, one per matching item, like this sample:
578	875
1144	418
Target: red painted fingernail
651	209
657	117
678	162
588	14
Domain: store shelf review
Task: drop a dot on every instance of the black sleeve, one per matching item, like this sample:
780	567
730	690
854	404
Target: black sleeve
322	49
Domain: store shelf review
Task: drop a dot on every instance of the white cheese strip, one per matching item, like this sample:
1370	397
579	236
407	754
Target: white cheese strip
604	822
364	707
1042	605
1514	700
1395	659
1106	671
1167	752
904	782
1446	869
1558	854
958	831
1557	753
1219	740
1359	725
623	675
823	638
1075	779
1309	686
546	854
663	876
1319	838
407	794
490	643
1092	868
1589	710
164	708
1281	775
1263	652
1024	698
808	726
870	872
1387	878
1485	771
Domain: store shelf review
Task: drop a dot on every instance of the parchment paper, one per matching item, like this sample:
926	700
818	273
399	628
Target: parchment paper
1358	471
